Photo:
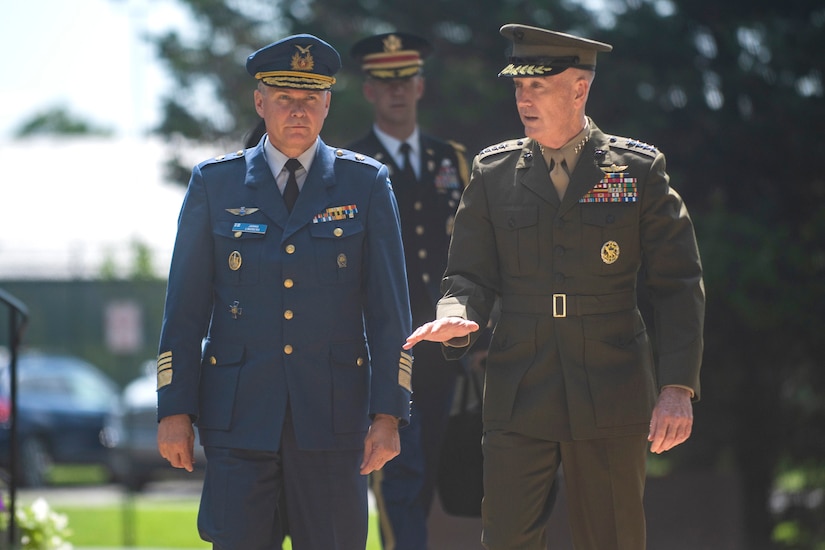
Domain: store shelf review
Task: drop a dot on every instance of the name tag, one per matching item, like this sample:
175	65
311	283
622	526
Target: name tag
259	228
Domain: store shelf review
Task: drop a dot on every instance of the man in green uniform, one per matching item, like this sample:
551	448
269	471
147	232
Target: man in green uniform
558	225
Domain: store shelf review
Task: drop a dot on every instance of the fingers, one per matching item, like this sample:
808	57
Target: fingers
176	440
183	459
441	330
381	445
668	431
374	458
672	420
666	435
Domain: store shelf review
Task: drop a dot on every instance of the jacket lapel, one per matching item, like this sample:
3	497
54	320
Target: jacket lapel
532	172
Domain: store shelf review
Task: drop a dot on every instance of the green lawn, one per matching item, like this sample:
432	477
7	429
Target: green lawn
148	525
138	522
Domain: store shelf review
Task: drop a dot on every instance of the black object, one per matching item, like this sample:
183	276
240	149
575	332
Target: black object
460	469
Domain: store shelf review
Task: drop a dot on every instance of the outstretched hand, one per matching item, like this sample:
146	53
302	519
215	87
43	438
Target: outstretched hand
441	330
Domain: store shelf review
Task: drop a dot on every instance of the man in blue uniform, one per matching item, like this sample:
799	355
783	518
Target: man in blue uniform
557	226
428	177
286	309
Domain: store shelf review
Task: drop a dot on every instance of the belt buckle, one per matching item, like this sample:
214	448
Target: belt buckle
559	299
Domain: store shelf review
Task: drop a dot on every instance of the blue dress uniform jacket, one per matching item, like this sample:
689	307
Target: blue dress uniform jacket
266	308
571	358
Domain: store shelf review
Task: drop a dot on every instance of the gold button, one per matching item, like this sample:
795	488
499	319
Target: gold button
425	277
213	360
360	361
288	314
288	349
290	249
288	283
418	205
238	234
339	153
337	231
419	230
422	253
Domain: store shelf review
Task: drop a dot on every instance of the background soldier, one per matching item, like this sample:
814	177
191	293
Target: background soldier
428	176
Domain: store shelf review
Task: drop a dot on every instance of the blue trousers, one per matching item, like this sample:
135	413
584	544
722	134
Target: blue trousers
324	492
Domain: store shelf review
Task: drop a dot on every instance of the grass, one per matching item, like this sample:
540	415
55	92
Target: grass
149	525
144	525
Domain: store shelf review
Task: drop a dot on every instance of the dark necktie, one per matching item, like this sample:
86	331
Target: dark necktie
407	172
291	189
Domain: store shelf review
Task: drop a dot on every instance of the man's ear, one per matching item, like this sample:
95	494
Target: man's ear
258	98
582	89
368	90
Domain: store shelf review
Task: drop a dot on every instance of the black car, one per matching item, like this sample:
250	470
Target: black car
62	406
133	436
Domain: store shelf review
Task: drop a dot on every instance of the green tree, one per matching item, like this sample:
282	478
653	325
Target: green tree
58	121
732	92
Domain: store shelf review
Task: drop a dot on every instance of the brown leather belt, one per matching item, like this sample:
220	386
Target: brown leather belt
565	305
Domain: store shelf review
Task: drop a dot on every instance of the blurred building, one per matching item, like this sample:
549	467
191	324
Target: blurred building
71	205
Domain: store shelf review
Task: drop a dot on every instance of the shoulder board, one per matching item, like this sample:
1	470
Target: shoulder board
461	157
502	147
633	145
457	146
346	154
222	158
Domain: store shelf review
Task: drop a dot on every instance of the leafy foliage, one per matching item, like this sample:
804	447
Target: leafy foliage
58	121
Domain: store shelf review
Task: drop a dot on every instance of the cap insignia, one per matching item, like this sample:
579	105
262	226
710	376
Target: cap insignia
392	43
302	60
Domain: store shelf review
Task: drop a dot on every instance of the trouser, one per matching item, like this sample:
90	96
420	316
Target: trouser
405	486
604	481
325	494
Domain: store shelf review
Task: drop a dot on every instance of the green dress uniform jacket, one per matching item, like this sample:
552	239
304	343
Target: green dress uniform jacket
571	357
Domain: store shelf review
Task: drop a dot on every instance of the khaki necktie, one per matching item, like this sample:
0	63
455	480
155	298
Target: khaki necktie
559	175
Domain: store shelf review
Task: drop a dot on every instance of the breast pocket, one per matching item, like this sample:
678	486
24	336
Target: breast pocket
238	254
611	231
517	237
338	250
